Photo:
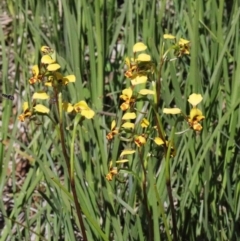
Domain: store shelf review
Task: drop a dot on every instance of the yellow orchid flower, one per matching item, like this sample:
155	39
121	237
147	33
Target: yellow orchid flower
195	114
114	130
181	47
184	46
26	112
144	123
194	118
112	172
127	97
36	77
131	72
140	140
83	108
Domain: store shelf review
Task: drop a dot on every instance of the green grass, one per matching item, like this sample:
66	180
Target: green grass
205	171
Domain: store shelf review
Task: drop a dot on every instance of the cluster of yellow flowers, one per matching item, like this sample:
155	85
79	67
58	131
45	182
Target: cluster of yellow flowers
139	67
195	115
46	76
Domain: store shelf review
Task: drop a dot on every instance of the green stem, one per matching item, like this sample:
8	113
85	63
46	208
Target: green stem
158	84
169	190
167	146
168	182
58	97
161	209
145	200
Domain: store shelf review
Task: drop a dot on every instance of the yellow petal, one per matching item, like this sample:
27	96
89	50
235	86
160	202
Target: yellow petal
49	84
113	125
140	140
158	141
172	111
127	92
67	107
53	67
144	57
109	177
25	106
124	97
168	36
82	105
88	113
41	108
21	117
139	47
128	125
46	50
122	161
84	109
144	123
124	106
127	152
183	41
197	126
129	116
146	92
69	78
200	117
40	95
127	62
196	114
139	80
195	99
46	59
35	70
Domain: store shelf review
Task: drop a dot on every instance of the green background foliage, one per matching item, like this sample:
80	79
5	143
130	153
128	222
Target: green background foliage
92	38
